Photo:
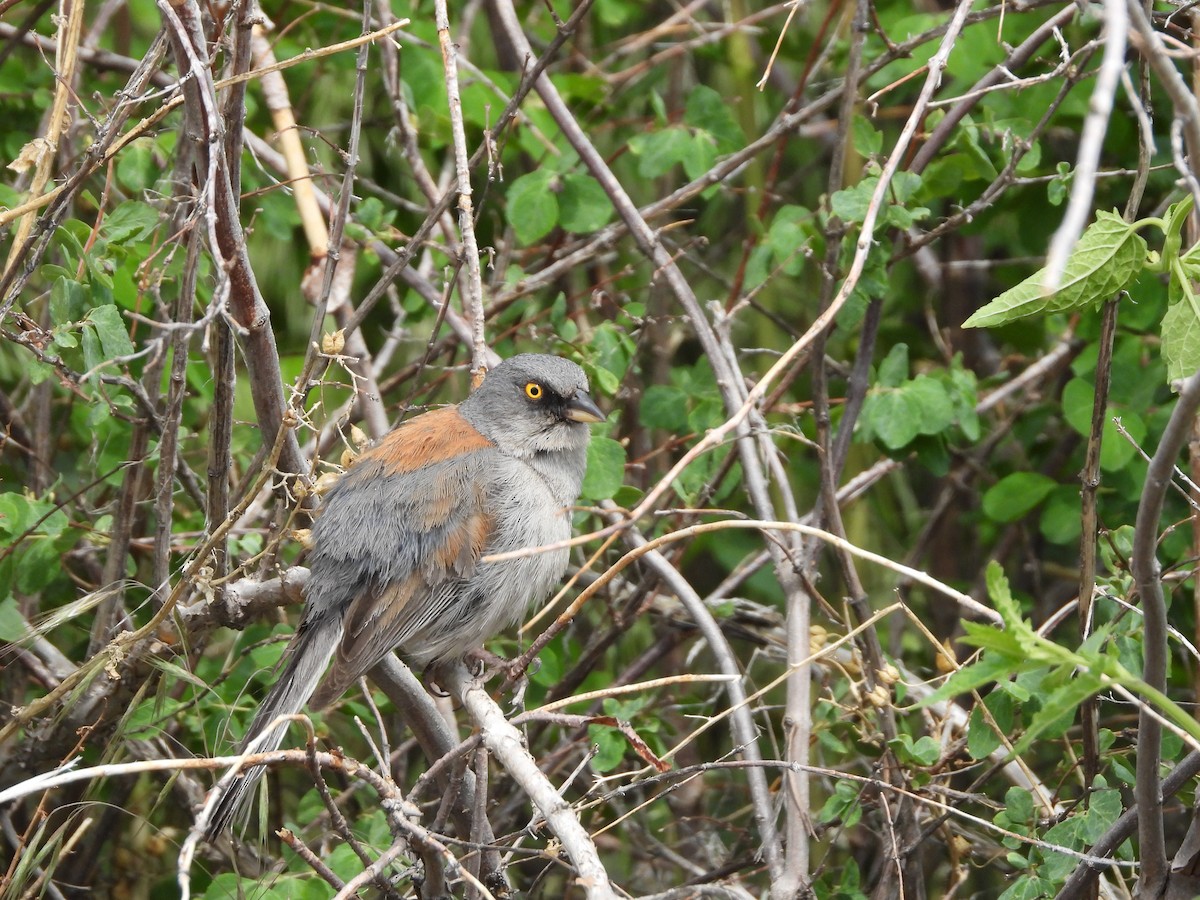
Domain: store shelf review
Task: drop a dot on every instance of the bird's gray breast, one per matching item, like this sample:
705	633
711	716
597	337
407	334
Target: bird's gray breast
530	512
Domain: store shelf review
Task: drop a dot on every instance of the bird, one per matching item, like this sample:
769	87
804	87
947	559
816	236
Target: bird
400	543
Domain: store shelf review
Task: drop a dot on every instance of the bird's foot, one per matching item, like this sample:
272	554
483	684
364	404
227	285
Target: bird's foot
483	664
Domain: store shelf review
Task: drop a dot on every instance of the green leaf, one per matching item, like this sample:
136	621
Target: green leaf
1015	495
110	328
965	396
1181	340
369	214
789	233
1058	709
616	12
1109	255
903	186
1056	188
610	747
935	409
1018	806
12	623
658	151
613	351
131	221
1104	808
980	165
867	141
982	739
942	177
38	565
1002	598
894	369
605	469
583	207
136	169
93	357
700	154
924	751
892	417
17	514
988	670
1176	215
1059	522
1029	887
664	406
606	381
1078	397
711	112
551	666
1031	162
844	804
850	204
68	301
532	206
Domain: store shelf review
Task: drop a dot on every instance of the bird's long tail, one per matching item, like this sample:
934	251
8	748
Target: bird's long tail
307	657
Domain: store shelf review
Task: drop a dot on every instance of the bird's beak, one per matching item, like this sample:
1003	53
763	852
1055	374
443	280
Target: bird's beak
582	408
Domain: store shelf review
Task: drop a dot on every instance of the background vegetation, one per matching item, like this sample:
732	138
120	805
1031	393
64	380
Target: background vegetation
239	244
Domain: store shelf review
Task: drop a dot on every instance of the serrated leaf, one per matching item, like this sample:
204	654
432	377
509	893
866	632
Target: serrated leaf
131	221
1001	595
987	670
851	204
1062	703
867	141
1109	255
110	328
532	206
1181	340
179	672
986	636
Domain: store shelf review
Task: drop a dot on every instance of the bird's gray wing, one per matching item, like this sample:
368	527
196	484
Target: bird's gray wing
400	535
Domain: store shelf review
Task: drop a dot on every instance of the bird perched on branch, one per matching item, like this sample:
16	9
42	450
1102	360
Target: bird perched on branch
399	546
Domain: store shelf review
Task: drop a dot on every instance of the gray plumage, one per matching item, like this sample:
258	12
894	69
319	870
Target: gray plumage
398	544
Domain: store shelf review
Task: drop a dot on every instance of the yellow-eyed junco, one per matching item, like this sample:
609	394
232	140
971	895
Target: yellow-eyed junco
398	542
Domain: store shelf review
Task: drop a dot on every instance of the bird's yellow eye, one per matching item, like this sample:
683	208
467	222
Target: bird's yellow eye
533	391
